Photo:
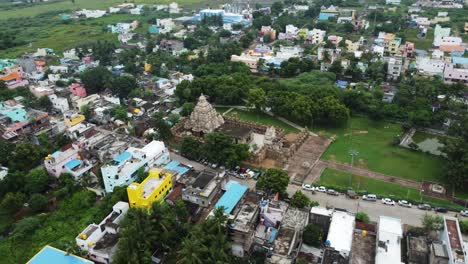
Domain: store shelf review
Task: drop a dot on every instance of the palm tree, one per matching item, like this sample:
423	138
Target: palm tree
191	251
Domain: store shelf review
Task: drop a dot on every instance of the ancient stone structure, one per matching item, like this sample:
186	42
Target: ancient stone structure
204	118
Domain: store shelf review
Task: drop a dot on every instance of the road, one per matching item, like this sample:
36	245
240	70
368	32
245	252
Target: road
411	216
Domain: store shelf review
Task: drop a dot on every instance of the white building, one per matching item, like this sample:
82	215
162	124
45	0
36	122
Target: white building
59	103
59	68
91	13
392	2
395	65
165	25
100	241
430	67
123	169
250	61
316	35
389	234
286	52
340	233
452	238
70	54
447	41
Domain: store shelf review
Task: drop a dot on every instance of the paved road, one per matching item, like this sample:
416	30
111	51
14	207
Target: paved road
411	216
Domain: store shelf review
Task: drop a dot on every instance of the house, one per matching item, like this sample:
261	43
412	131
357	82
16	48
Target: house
125	37
243	225
13	80
15	112
67	161
77	90
21	121
250	61
430	67
395	66
340	233
408	51
123	169
447	41
268	31
41	90
90	13
392	2
315	36
438	253
452	238
417	250
201	187
49	254
234	193
154	188
79	102
172	46
70	54
100	241
72	118
454	74
389	234
165	25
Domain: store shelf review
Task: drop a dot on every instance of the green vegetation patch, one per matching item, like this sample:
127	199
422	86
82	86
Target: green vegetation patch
373	142
342	180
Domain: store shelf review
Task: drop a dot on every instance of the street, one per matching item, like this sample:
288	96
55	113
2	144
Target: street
411	216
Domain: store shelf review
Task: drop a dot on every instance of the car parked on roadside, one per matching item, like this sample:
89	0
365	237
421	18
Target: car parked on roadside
369	197
332	192
464	213
308	187
388	201
321	189
441	210
425	207
404	203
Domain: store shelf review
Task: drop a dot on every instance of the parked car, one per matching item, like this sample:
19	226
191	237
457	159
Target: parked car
308	187
404	203
441	209
464	213
370	197
388	201
352	194
425	207
332	192
321	189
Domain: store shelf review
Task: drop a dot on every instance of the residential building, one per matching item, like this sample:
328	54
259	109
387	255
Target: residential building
41	90
165	25
59	103
447	41
250	61
154	188
13	80
123	169
243	225
408	51
15	112
234	193
172	46
452	238
417	249
340	233
91	13
389	234
392	2
315	36
79	102
395	66
67	160
439	253
77	90
268	31
285	52
440	32
453	75
201	187
430	67
100	241
73	118
49	254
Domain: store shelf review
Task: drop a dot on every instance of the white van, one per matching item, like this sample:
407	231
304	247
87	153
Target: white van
369	197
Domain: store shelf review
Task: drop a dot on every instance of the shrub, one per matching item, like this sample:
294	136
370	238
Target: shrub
312	235
362	217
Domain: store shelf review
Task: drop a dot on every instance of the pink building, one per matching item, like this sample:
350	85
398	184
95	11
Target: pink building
55	162
409	49
335	40
87	60
77	90
453	75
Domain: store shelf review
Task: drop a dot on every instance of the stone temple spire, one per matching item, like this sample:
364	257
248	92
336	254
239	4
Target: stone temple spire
204	117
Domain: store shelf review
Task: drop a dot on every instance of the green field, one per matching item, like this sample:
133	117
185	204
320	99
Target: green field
342	180
67	5
373	142
260	118
411	36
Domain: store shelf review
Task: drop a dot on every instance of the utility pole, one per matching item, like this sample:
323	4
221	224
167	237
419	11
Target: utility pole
353	153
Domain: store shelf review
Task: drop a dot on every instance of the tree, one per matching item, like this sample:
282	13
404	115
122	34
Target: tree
236	154
12	202
95	79
312	235
3	85
362	217
86	111
299	200
25	157
27	226
173	119
277	7
187	109
123	85
432	222
257	98
120	112
215	147
37	202
162	127
190	148
274	181
336	68
36	181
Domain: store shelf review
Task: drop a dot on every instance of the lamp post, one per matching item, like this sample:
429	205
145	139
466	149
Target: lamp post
353	154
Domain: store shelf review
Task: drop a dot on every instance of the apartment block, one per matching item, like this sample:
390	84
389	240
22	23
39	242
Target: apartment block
122	170
154	188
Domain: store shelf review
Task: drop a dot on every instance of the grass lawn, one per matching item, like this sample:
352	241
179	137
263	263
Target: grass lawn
260	118
419	137
341	179
424	44
222	110
372	140
67	5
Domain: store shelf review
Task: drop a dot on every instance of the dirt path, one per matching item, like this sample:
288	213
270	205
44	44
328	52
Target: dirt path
321	165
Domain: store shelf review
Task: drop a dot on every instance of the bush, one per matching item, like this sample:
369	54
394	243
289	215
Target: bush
312	235
362	217
37	202
464	226
300	200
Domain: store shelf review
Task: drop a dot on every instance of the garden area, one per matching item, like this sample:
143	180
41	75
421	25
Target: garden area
255	117
372	143
342	180
428	142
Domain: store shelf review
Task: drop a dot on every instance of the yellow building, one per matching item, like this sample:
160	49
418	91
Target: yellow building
72	119
147	67
155	187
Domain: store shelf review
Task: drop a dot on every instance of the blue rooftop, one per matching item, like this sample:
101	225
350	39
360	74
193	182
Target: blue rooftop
174	166
231	197
72	164
51	255
123	157
56	154
341	84
460	60
325	16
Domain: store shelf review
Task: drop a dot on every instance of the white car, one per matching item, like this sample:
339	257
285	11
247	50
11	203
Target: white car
388	201
464	213
369	197
321	189
308	187
404	203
